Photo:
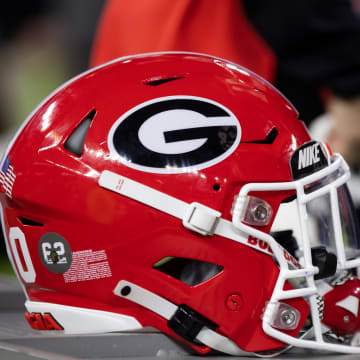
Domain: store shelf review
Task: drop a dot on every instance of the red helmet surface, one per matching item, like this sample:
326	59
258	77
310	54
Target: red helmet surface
119	195
341	307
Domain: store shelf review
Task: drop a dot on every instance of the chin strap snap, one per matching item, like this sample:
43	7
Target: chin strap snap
201	219
184	321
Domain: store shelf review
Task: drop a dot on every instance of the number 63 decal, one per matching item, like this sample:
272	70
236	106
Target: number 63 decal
27	272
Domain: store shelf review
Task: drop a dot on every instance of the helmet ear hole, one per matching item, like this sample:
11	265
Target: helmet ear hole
191	272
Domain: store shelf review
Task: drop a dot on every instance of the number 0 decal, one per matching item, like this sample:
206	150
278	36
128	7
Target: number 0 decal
27	274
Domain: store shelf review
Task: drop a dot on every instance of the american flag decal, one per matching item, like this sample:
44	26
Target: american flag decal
7	177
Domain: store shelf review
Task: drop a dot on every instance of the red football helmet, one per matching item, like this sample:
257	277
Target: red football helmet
144	193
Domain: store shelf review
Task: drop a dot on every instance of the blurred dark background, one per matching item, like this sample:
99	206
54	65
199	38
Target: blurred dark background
43	43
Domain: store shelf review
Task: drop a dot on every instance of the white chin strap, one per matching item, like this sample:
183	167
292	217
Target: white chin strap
196	217
167	310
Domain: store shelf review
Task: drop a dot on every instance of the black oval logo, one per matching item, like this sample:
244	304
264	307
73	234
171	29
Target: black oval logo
174	134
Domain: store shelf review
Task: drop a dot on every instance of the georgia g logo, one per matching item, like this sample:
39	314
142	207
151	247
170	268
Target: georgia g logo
174	134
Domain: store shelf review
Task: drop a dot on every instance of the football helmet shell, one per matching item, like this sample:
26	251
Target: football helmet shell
132	174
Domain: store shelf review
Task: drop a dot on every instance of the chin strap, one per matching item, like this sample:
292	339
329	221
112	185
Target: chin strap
181	319
195	216
186	322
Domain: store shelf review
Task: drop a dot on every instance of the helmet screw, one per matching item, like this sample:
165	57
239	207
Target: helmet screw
346	319
234	302
288	317
125	291
260	212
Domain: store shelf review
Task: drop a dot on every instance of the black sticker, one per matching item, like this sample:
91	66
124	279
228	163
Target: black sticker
55	253
307	159
174	134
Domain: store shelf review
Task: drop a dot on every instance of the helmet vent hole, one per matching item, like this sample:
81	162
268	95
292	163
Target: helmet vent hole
216	187
75	142
190	272
159	81
270	138
29	222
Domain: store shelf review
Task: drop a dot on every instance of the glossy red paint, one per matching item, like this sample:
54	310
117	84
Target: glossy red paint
60	191
338	318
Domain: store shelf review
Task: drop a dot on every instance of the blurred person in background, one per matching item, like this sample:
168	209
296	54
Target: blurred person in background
309	49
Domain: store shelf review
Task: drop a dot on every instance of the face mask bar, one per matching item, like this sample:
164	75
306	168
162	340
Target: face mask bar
332	177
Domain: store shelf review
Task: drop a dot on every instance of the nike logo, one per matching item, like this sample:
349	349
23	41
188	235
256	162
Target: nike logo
308	156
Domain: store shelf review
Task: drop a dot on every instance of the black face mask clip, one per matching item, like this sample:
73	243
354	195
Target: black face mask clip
325	261
187	323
